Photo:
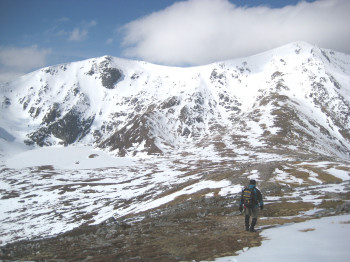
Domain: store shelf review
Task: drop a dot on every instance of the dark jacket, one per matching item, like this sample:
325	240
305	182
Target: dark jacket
258	197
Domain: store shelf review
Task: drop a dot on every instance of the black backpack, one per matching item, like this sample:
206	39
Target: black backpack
249	197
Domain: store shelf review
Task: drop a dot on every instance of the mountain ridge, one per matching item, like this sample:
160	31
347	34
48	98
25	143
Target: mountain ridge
133	107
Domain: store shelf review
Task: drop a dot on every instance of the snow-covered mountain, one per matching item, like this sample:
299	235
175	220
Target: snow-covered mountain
75	141
293	98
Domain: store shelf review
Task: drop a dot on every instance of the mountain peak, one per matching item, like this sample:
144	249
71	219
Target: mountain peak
292	97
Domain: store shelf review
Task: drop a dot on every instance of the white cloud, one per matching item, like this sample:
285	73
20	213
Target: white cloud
78	35
109	41
15	61
81	33
203	31
25	58
63	19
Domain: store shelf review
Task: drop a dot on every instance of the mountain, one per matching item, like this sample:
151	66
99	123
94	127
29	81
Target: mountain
294	97
165	151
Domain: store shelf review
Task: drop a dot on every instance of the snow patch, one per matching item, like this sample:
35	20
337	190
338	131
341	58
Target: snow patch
320	240
77	157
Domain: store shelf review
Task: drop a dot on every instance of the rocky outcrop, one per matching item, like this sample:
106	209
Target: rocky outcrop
137	134
68	129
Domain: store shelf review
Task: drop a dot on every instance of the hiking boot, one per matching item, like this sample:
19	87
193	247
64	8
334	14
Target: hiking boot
253	225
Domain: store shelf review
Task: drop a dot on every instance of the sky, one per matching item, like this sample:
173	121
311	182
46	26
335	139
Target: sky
39	33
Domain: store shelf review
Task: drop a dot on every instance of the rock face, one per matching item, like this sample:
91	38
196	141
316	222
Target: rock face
68	129
107	73
296	96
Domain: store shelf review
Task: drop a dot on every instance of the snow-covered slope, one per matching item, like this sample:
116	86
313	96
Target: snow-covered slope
301	239
296	96
280	117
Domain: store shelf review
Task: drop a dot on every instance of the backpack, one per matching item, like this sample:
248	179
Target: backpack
249	197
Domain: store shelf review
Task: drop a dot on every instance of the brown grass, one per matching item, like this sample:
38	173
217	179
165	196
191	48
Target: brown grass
330	203
43	168
286	209
307	230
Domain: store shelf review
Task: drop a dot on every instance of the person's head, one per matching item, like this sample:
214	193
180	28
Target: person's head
252	182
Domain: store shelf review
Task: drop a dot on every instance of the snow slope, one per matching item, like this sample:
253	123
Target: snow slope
75	158
321	240
47	191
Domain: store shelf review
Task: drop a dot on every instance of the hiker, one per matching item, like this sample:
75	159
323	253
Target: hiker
251	200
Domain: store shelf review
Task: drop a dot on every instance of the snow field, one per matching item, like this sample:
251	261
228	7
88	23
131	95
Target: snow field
321	240
67	186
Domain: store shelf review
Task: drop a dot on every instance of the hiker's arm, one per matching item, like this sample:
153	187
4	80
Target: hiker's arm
241	203
261	202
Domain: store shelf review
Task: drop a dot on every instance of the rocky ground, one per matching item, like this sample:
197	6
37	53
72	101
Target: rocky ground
191	228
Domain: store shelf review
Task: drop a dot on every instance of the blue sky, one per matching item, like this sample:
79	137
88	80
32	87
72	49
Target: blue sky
38	33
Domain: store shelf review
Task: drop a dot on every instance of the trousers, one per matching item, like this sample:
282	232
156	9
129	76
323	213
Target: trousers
251	211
